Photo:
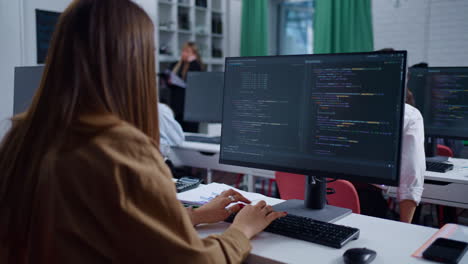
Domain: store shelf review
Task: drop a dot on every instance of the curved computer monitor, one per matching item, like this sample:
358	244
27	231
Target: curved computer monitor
325	115
441	94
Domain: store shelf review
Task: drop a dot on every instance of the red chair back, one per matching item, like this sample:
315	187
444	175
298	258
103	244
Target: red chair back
445	151
345	196
291	186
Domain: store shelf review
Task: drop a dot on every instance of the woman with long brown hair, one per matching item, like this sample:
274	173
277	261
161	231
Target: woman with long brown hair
82	180
190	61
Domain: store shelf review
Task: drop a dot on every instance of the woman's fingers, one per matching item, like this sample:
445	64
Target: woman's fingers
267	209
260	205
235	208
275	215
235	195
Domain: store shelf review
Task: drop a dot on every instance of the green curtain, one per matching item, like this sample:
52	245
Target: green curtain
254	30
343	26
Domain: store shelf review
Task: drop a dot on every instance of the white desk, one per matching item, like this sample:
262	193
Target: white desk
449	189
203	155
393	241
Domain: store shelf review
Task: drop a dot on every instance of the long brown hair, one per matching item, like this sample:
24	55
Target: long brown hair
185	66
100	62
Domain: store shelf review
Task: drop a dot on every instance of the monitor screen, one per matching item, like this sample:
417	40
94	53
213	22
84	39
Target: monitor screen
204	97
441	94
27	80
329	115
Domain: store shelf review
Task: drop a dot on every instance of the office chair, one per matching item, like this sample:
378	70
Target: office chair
291	186
443	150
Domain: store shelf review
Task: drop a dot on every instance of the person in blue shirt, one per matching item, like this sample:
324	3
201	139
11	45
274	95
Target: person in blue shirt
171	133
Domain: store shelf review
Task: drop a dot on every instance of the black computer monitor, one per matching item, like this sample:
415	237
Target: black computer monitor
325	116
27	80
204	97
441	95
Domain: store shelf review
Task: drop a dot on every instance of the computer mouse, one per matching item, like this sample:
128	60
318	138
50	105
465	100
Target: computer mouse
359	256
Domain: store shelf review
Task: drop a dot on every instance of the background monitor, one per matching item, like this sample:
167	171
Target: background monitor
441	94
27	80
204	97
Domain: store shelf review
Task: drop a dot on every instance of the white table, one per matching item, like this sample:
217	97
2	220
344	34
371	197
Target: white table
449	189
204	155
393	241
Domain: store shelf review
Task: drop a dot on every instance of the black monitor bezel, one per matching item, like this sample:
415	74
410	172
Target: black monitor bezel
318	173
428	132
201	120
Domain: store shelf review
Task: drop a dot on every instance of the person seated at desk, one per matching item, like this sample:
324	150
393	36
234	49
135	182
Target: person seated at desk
170	131
412	169
82	179
413	162
190	60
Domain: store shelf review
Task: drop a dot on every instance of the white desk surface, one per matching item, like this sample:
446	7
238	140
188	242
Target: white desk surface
393	241
459	174
197	146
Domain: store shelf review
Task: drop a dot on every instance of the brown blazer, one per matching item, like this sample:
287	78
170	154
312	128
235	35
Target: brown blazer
111	199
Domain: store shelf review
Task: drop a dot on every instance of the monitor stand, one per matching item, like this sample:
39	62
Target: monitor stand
430	147
314	206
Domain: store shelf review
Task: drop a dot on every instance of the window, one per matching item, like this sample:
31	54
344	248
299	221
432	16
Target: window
295	32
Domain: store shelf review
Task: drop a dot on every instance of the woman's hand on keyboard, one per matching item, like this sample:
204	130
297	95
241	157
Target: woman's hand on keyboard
251	220
219	208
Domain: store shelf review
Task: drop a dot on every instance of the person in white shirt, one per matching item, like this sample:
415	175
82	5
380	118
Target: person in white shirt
171	133
412	169
413	164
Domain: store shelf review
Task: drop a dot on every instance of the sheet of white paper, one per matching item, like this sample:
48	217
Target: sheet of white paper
204	194
177	81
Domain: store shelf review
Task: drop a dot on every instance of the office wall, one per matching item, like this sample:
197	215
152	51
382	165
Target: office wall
29	24
18	40
434	31
18	45
9	56
234	17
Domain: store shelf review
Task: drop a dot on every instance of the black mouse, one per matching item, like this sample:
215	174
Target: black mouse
359	256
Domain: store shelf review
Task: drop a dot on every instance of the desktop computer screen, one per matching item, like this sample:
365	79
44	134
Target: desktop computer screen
27	80
441	94
329	115
204	97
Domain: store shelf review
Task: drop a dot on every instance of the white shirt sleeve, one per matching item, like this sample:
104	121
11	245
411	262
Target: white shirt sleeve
413	161
171	133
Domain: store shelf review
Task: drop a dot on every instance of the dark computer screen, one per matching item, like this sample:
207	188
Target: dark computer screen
27	80
204	97
441	94
45	26
335	115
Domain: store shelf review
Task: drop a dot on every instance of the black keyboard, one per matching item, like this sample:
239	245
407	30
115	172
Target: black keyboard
438	166
187	183
203	139
310	230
